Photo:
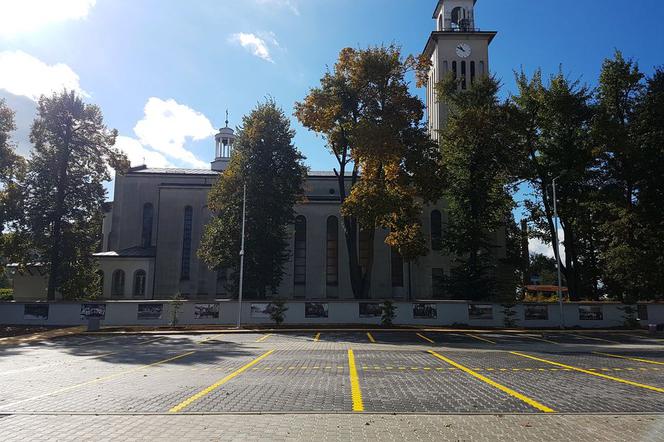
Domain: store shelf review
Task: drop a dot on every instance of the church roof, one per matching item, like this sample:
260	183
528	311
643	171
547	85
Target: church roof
172	171
132	252
205	172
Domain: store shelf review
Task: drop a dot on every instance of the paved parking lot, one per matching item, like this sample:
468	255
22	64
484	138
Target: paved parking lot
69	382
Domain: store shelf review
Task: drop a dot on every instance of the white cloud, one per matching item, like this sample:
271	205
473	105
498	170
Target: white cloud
27	76
138	154
255	44
167	125
546	249
21	16
290	4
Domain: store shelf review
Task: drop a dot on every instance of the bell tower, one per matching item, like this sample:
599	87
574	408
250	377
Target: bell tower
223	146
457	47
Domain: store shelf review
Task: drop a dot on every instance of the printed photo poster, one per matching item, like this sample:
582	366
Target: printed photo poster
370	310
37	312
93	311
260	310
206	311
316	309
480	311
150	311
536	312
425	311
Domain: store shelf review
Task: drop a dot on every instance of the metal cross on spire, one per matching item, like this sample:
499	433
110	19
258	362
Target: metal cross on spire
226	117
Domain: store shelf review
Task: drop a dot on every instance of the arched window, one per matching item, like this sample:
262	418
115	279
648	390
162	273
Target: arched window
436	230
332	251
146	232
454	69
481	68
139	284
397	268
300	251
472	72
117	283
463	75
185	265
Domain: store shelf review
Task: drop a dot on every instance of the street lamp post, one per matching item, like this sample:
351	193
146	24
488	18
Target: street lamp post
244	209
558	260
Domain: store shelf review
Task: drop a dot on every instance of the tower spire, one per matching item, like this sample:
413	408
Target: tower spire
226	117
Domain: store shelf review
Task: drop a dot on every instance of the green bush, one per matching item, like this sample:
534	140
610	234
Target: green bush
389	313
6	294
277	311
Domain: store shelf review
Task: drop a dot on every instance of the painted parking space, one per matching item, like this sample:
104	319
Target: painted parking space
563	388
283	381
404	387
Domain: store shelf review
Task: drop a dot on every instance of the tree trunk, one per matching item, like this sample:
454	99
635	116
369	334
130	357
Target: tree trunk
56	230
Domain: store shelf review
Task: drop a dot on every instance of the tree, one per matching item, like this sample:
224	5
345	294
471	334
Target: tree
265	159
371	123
12	171
554	125
63	189
480	160
650	136
616	139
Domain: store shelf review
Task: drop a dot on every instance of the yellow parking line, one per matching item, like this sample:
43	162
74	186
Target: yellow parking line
261	339
527	400
541	339
355	391
371	338
317	337
95	341
425	338
593	338
209	338
647	361
151	340
480	338
581	370
184	404
97	380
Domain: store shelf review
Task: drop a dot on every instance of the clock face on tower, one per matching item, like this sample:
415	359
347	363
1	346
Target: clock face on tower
463	50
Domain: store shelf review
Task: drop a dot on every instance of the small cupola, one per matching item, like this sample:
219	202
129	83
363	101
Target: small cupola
223	141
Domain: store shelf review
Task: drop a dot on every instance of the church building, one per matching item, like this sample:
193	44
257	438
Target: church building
153	228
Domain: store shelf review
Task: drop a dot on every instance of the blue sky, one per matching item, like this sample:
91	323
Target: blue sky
164	71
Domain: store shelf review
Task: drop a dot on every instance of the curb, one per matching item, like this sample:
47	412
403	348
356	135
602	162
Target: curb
42	336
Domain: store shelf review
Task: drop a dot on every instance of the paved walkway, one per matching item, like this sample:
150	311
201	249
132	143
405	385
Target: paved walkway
307	427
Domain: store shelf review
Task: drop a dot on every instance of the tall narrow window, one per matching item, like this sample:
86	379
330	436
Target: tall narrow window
139	284
481	68
454	69
397	268
436	230
365	246
463	75
445	67
438	284
117	283
472	72
146	232
332	251
185	266
300	251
